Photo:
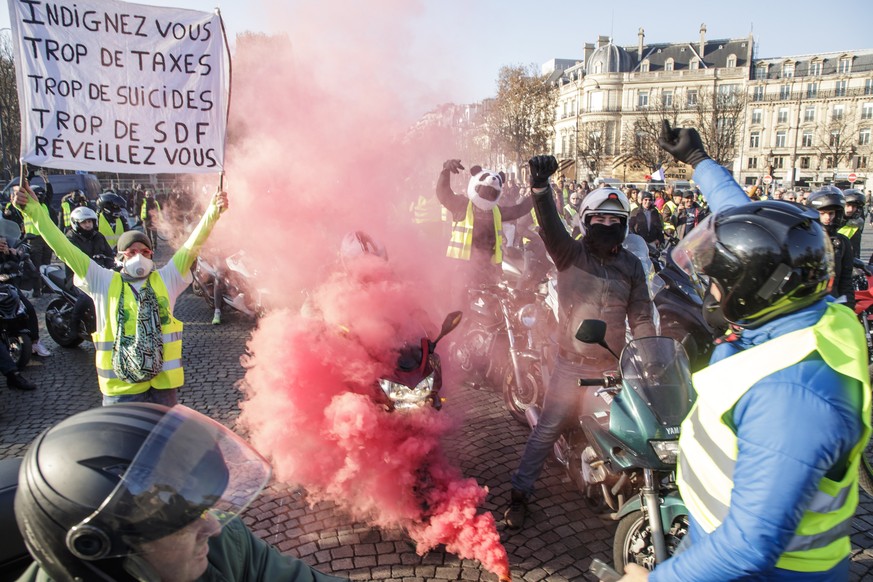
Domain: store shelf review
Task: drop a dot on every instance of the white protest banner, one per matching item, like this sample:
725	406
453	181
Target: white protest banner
113	86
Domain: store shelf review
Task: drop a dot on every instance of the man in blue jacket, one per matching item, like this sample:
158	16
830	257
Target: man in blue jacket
769	454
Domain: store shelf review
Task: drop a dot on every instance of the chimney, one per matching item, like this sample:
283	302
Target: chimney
602	41
640	36
587	51
702	40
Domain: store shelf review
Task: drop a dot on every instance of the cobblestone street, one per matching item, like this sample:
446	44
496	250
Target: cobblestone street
563	533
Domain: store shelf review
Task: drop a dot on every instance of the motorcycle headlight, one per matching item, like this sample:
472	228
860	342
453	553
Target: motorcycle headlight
667	451
527	315
405	397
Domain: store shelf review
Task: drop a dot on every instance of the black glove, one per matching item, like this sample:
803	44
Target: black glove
453	166
541	167
684	144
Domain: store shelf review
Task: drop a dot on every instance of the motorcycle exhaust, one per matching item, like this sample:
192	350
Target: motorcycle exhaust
532	415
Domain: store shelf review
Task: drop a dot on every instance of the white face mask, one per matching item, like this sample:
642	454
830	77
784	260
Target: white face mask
138	266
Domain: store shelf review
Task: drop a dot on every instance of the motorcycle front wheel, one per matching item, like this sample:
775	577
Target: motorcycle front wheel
633	540
20	348
519	398
58	317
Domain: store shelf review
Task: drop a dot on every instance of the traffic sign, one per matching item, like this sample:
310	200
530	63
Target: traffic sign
768	179
852	177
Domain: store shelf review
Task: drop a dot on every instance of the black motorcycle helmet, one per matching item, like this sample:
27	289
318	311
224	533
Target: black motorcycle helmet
830	199
766	258
40	193
99	484
110	204
855	197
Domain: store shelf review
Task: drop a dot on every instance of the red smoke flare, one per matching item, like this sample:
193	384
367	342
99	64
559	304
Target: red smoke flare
310	407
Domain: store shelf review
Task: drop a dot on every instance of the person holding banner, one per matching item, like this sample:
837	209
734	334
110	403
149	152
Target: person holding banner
138	342
150	214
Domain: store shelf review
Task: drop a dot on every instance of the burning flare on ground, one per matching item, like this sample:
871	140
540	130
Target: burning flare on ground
309	406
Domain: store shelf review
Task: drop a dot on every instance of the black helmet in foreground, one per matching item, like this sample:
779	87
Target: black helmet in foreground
99	485
830	199
854	196
766	259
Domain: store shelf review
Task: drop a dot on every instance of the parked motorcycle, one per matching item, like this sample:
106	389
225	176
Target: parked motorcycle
59	320
417	379
622	452
14	326
236	278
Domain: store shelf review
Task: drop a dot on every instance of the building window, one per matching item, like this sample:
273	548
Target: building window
644	66
811	90
815	68
691	97
667	99
761	71
757	115
643	99
862	162
834	140
755	139
864	136
731	61
788	70
753	163
867	111
806	138
809	113
784	91
868	87
781	139
758	93
804	163
694	64
841	88
778	162
783	115
839	112
668	66
845	65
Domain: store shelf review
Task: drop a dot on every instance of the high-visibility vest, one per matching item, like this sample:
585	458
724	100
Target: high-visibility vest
536	222
29	224
65	214
426	209
110	233
849	230
171	375
708	445
461	243
143	213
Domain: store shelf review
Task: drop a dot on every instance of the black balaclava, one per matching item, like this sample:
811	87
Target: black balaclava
604	240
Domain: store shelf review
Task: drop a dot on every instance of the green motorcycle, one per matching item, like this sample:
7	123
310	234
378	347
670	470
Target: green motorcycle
634	447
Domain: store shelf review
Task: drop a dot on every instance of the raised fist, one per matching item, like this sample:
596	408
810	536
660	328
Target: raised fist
541	167
684	144
453	166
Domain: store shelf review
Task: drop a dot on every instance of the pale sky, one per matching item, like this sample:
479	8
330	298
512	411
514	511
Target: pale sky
474	38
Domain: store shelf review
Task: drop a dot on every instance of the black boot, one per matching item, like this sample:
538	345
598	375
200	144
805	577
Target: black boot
515	515
18	382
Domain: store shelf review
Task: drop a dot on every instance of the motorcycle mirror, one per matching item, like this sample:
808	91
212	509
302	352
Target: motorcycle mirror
451	322
593	331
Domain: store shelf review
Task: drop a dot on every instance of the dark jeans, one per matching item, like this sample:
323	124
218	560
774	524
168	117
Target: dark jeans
167	397
152	233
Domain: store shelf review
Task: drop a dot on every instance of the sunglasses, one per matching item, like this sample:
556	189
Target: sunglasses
147	253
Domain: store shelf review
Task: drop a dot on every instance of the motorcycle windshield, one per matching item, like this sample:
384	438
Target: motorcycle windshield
10	231
657	369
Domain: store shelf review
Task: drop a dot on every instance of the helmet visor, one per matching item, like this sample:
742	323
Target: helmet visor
187	466
695	252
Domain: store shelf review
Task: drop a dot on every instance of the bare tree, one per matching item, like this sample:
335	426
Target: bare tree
10	120
640	139
521	118
834	138
718	117
591	147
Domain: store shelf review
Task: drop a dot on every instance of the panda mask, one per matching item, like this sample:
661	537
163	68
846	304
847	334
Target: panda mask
485	188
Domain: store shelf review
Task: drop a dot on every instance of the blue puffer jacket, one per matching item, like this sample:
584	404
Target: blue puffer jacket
793	427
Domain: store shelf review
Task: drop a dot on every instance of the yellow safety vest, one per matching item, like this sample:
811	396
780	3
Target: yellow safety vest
461	243
708	445
171	375
533	215
65	214
849	230
143	213
29	225
106	230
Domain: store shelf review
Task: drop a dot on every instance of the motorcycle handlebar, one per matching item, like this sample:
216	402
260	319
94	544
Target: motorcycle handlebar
593	382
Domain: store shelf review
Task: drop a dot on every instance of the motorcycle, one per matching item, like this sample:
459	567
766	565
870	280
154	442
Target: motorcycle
863	285
14	330
235	278
417	379
621	454
59	321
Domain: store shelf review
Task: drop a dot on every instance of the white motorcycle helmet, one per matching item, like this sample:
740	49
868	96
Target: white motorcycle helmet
80	215
603	201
